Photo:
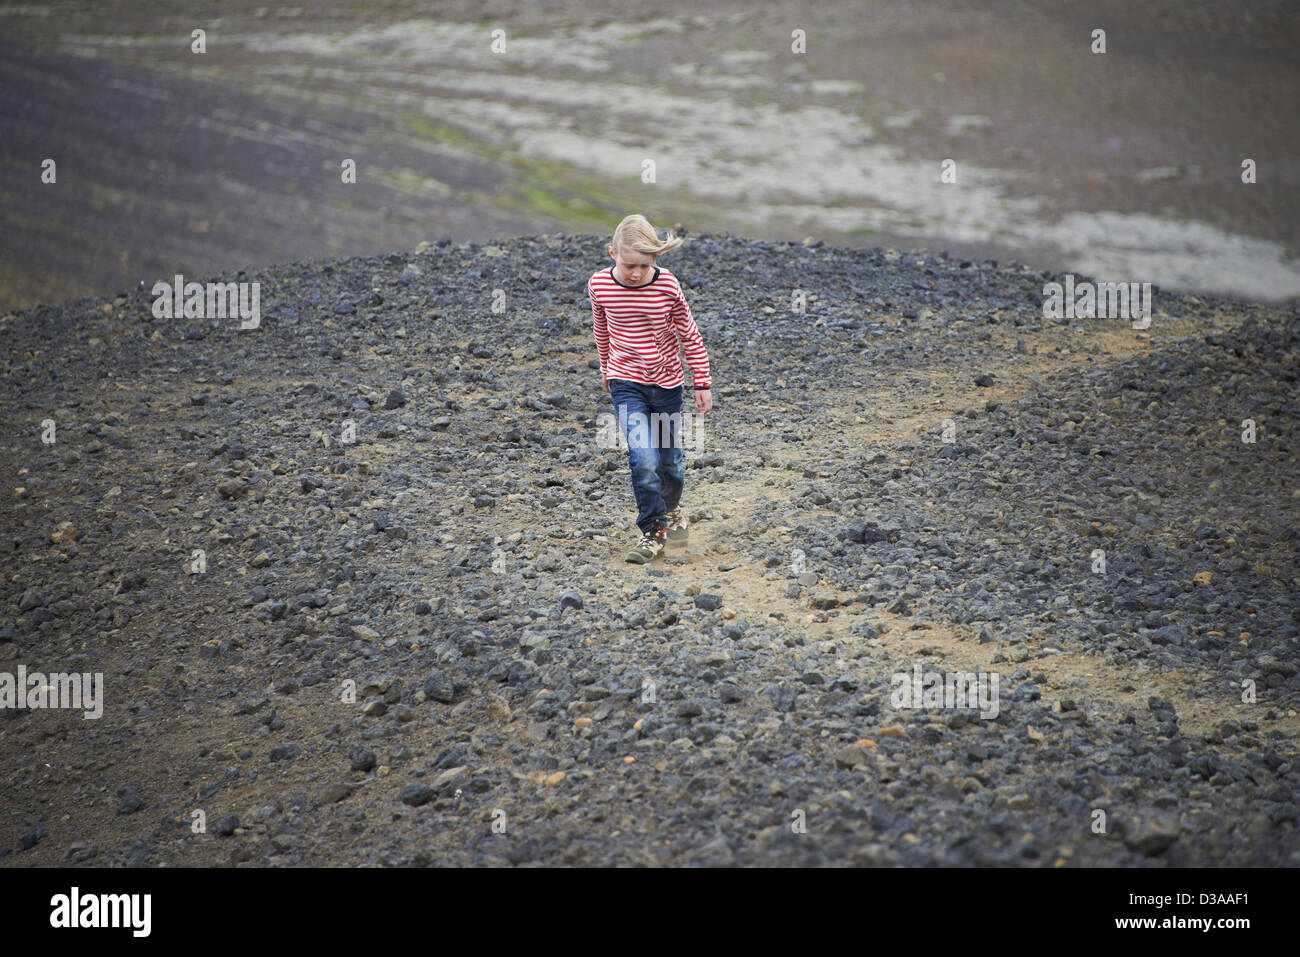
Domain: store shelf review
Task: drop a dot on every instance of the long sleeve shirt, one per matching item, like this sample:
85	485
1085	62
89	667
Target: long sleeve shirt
641	329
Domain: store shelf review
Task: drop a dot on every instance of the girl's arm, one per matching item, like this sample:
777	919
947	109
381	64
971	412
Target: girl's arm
688	333
601	330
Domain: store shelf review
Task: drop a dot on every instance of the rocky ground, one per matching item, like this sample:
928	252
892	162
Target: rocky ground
1096	534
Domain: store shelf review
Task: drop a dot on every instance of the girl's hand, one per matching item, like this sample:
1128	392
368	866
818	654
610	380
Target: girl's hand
607	388
704	400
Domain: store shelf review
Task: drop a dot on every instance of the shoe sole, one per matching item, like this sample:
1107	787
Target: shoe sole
638	557
677	536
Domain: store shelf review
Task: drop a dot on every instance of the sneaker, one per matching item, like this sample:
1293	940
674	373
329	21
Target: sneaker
651	544
677	531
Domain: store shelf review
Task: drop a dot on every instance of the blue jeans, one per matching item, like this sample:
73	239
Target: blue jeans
654	447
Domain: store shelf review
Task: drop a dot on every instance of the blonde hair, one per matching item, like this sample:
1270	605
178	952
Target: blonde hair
636	233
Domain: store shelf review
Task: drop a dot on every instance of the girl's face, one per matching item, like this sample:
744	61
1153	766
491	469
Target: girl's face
632	267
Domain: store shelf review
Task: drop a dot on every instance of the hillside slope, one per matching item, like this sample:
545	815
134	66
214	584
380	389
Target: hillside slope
462	564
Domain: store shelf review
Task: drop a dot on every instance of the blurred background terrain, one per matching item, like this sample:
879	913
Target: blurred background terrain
1125	165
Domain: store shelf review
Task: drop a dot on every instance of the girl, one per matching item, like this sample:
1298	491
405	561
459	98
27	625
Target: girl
641	321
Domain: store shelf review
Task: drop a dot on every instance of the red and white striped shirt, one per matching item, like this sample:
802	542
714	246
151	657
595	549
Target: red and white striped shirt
640	331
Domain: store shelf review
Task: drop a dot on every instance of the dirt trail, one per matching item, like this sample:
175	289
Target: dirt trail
721	560
721	556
